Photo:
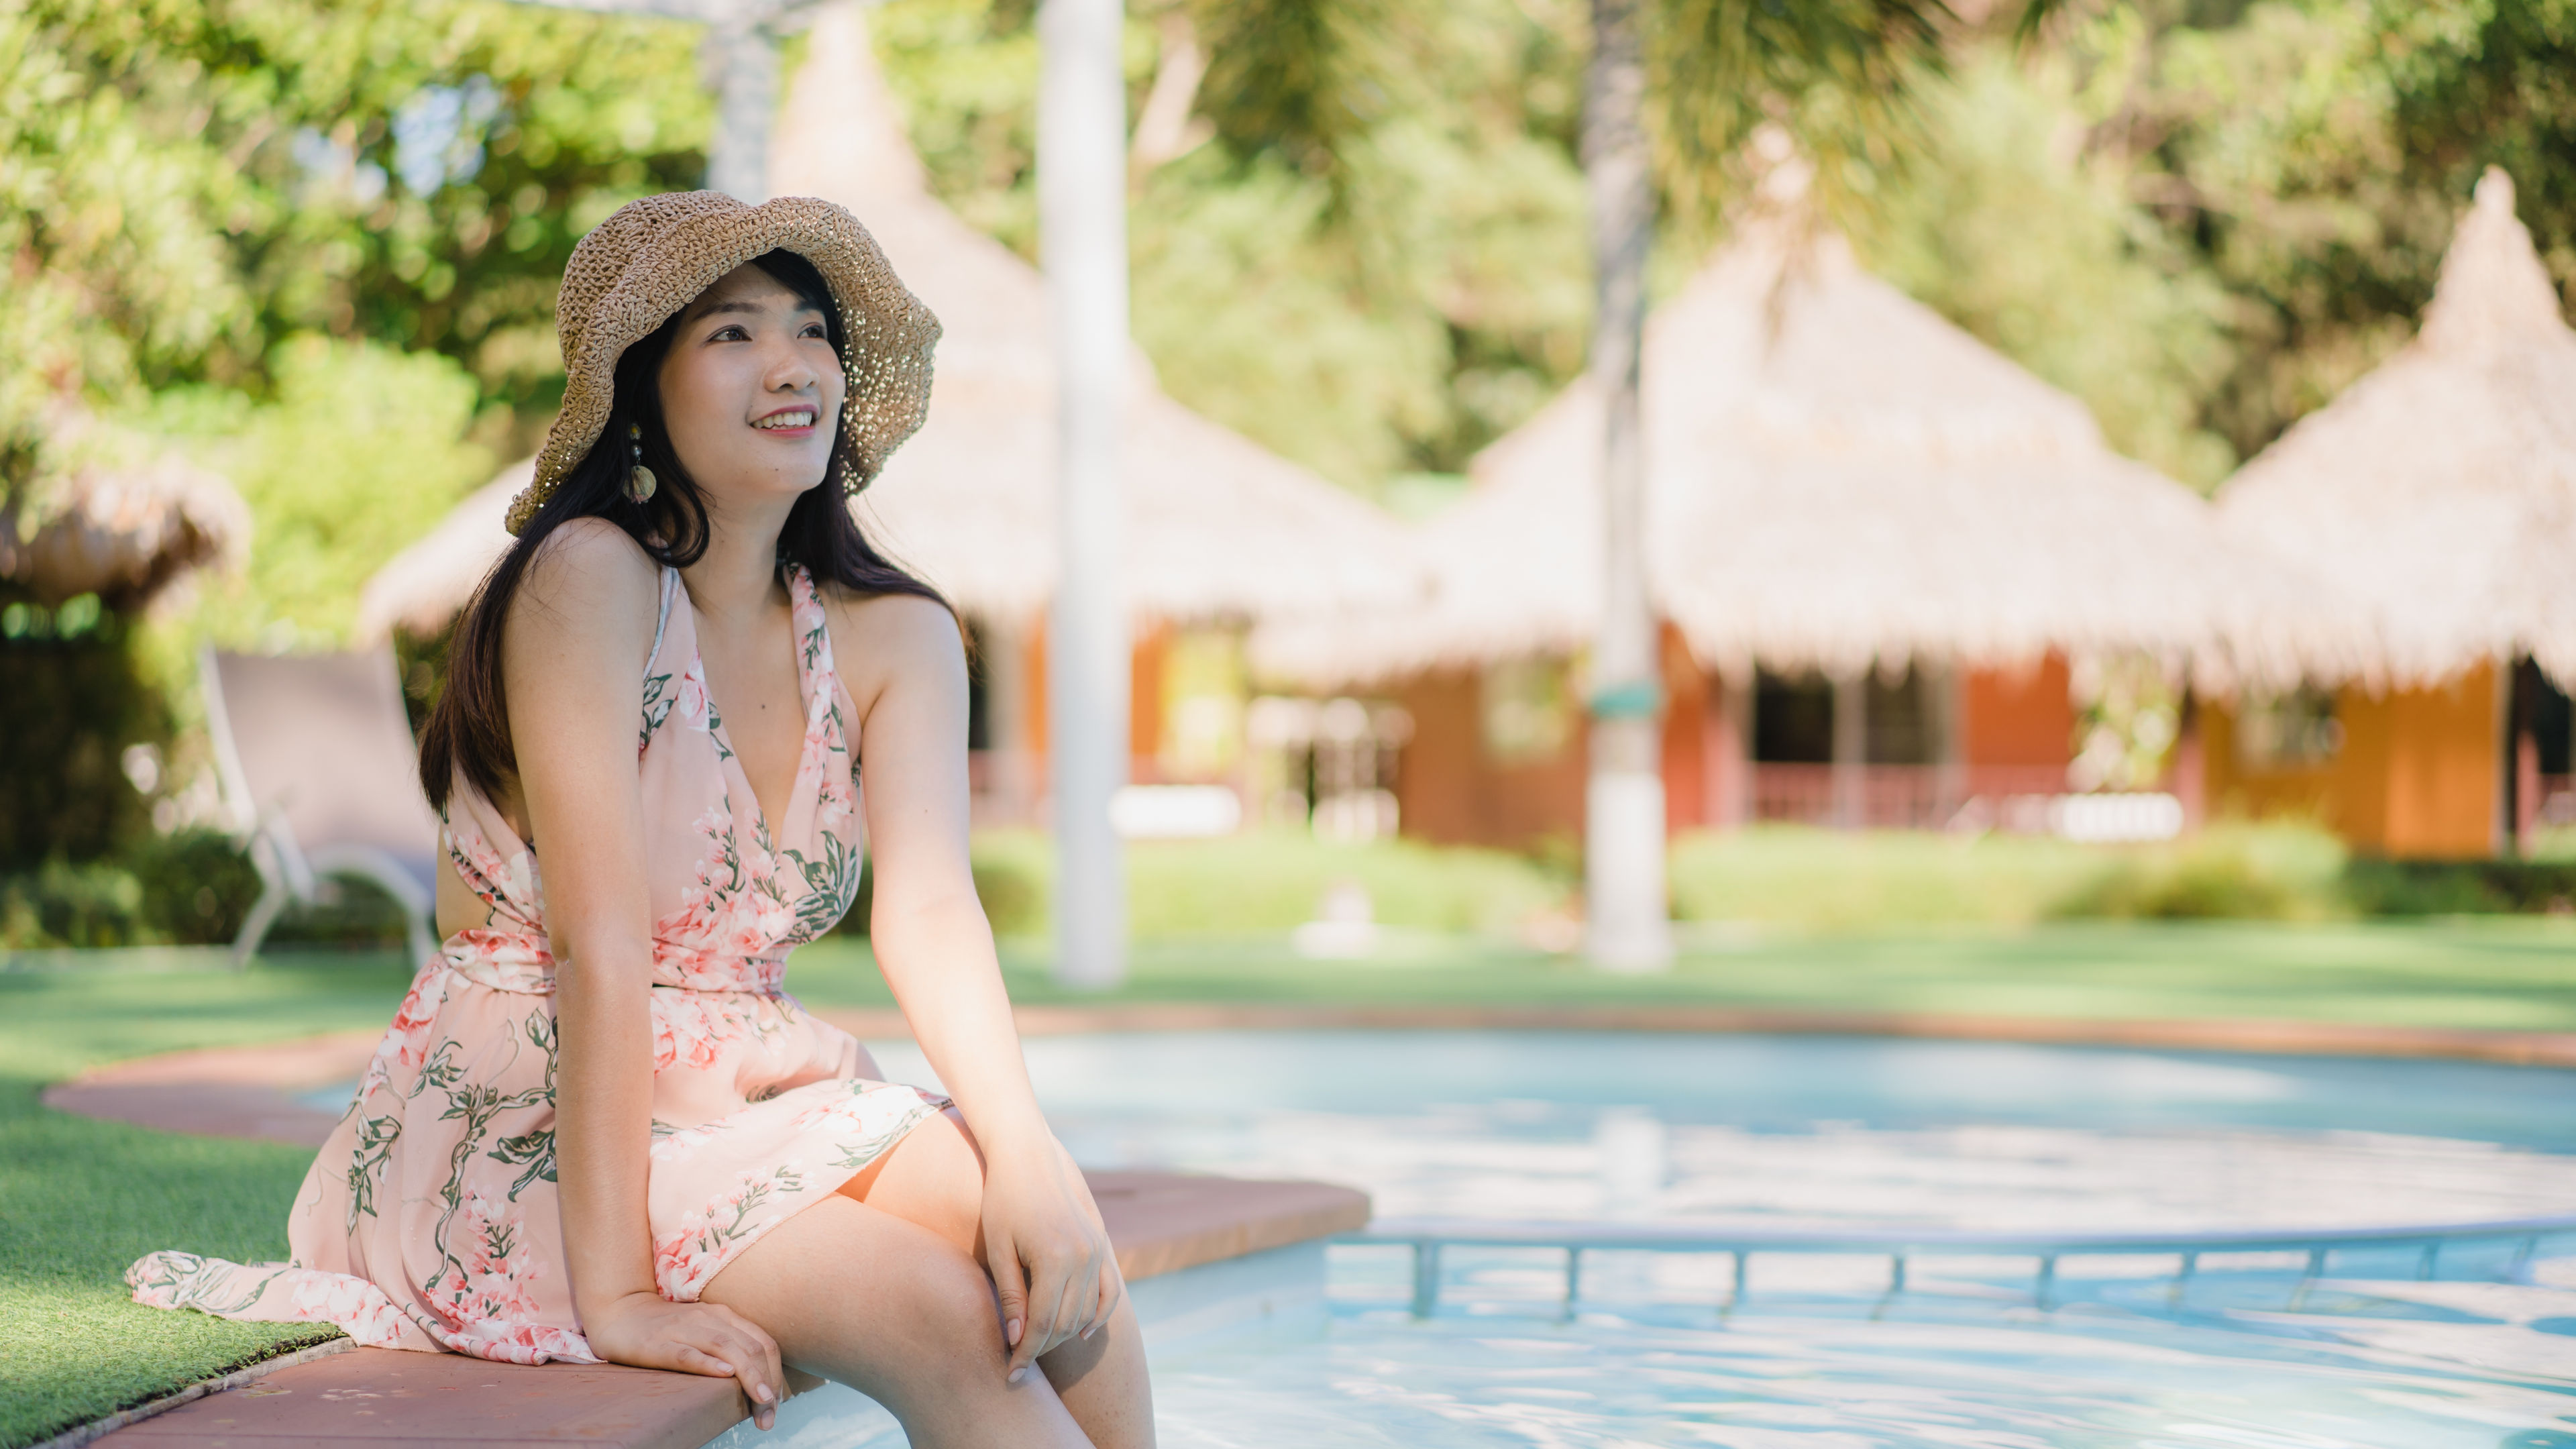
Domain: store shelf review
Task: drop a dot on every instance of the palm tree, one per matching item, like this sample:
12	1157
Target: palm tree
1717	67
1673	88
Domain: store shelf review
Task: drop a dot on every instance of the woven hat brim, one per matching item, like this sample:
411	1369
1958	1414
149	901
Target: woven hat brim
655	255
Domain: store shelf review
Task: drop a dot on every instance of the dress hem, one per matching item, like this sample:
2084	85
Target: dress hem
686	1277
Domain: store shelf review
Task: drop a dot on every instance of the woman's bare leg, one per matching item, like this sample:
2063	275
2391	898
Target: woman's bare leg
934	1178
900	1314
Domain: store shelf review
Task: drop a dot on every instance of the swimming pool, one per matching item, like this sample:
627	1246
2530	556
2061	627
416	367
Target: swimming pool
1820	1130
1751	1131
1868	1135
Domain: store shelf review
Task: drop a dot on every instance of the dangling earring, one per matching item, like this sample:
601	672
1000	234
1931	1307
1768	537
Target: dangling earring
639	479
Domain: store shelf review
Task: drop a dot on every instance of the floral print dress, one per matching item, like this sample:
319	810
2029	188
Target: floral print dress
429	1220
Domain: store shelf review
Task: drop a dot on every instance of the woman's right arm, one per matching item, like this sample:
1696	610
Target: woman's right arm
572	666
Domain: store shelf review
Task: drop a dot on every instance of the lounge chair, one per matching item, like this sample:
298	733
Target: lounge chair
318	772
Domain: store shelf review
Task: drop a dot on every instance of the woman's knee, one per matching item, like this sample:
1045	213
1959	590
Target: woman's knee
862	1297
950	1302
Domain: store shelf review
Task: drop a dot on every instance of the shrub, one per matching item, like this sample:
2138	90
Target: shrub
88	906
1258	884
1011	870
2460	887
190	888
2237	870
1269	882
197	885
354	914
1822	880
75	700
1804	878
1012	874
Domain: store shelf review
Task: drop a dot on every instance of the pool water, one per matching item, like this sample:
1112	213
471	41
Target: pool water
1839	1132
1933	1370
1824	1131
1797	1132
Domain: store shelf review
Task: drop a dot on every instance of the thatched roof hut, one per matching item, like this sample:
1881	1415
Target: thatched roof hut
1837	479
1217	527
2439	492
127	532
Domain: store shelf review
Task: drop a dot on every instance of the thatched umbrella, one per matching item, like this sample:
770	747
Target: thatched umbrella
1217	527
125	533
2439	492
1838	479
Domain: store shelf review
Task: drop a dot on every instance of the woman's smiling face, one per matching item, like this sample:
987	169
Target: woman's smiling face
751	390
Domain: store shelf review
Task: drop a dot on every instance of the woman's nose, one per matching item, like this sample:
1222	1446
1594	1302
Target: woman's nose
788	370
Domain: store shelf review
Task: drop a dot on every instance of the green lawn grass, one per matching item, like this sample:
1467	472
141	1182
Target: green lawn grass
2494	973
80	1199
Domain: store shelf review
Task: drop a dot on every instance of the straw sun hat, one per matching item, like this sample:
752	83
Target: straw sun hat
651	257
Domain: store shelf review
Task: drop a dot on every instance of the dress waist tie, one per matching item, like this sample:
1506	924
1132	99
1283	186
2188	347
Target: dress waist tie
519	960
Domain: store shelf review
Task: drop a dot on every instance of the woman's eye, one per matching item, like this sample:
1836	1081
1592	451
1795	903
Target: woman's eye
730	333
815	329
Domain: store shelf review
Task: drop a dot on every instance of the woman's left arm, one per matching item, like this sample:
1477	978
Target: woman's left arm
1043	1238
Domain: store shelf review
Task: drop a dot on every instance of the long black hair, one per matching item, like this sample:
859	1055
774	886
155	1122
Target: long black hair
469	727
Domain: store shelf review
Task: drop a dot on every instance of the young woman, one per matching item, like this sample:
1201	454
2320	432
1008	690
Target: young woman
597	1128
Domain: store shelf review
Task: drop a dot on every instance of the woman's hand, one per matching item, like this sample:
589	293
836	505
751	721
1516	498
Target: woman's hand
648	1330
1047	1251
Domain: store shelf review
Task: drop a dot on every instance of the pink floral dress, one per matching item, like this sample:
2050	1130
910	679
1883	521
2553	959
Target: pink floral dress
429	1220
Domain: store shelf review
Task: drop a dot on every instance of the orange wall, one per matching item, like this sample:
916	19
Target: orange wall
1688	757
1033	693
1144	696
2418	773
1448	791
2017	717
1145	663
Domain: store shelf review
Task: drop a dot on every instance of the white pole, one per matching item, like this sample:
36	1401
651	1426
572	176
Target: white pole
1946	687
1082	235
1623	847
1851	749
746	57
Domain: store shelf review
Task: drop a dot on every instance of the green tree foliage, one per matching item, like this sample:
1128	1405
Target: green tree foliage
184	184
1384	303
317	242
2314	155
2042	253
2259	139
2476	83
2208	217
358	452
1841	75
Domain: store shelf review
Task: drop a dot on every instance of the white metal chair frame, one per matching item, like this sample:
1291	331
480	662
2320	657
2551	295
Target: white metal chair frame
289	873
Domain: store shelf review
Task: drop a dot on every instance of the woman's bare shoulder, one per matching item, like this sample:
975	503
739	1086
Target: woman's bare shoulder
877	638
589	575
